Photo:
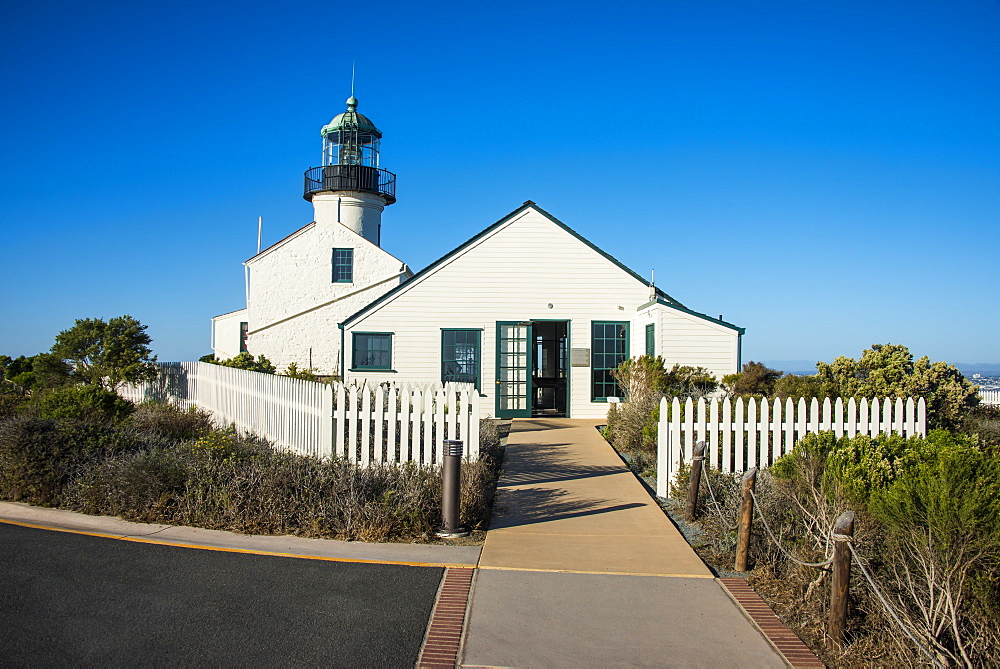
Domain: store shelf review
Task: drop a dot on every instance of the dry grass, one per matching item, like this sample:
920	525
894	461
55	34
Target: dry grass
170	466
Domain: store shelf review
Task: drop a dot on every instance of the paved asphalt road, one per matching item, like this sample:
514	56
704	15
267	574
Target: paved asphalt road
68	599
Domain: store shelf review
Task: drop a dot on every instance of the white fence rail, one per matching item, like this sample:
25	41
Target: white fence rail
741	435
990	396
367	425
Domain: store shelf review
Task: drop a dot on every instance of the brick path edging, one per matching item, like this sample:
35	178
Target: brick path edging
784	640
444	633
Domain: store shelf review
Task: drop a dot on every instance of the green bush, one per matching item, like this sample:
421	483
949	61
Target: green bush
889	370
12	399
632	424
39	457
305	374
862	466
934	506
942	518
984	422
245	361
167	465
84	402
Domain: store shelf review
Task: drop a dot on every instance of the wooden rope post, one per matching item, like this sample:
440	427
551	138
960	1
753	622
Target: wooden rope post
746	520
698	458
843	532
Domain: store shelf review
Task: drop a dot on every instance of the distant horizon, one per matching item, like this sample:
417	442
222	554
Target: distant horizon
797	366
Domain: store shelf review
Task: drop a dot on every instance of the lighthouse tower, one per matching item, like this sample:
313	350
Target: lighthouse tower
350	187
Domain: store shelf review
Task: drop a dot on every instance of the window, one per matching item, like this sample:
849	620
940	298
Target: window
651	339
372	350
343	265
244	329
460	356
609	348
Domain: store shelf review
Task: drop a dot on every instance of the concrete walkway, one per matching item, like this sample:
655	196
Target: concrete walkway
581	568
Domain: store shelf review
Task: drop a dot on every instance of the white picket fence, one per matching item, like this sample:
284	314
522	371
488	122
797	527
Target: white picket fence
364	424
741	435
990	396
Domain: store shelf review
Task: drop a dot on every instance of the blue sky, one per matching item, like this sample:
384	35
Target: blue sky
826	175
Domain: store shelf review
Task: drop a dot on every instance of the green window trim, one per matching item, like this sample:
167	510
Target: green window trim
462	356
371	351
651	339
343	265
609	347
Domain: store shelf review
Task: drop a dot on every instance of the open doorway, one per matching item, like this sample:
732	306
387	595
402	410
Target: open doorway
550	367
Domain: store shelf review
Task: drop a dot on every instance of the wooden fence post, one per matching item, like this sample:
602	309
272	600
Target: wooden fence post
843	532
698	457
746	519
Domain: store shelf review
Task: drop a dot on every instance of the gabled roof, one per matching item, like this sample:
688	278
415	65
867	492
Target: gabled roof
309	226
683	309
287	238
660	295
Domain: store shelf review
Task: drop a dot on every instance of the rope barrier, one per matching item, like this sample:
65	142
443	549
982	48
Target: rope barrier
760	514
837	537
888	607
718	507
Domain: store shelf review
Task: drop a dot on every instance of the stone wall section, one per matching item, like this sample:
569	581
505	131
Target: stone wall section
294	304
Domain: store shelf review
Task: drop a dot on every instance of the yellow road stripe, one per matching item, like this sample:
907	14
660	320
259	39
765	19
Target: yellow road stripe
249	551
598	573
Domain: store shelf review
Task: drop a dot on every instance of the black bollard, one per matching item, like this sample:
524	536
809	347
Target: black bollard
451	475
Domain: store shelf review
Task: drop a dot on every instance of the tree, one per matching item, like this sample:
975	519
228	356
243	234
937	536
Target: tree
754	379
38	372
796	386
889	371
107	354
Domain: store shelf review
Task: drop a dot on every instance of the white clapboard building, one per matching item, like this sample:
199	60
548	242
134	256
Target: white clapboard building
528	310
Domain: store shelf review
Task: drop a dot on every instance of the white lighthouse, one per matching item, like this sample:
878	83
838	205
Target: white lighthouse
350	187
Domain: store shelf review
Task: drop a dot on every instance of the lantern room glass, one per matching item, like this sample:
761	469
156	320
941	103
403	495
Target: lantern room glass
350	147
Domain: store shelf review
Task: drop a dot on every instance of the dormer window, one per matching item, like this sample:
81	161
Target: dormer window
343	265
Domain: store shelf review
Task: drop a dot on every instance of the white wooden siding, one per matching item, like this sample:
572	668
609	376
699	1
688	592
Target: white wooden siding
512	274
688	340
226	334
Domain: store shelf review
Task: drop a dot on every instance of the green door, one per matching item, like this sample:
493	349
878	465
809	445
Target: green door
513	383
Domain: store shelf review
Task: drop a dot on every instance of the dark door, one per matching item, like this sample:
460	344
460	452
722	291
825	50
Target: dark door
550	367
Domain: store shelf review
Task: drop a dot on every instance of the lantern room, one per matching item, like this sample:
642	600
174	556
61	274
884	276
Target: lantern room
351	138
350	158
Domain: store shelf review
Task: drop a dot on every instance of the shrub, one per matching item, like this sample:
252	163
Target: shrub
942	517
754	379
39	456
84	402
170	421
12	399
984	422
306	374
861	466
632	425
890	371
244	361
